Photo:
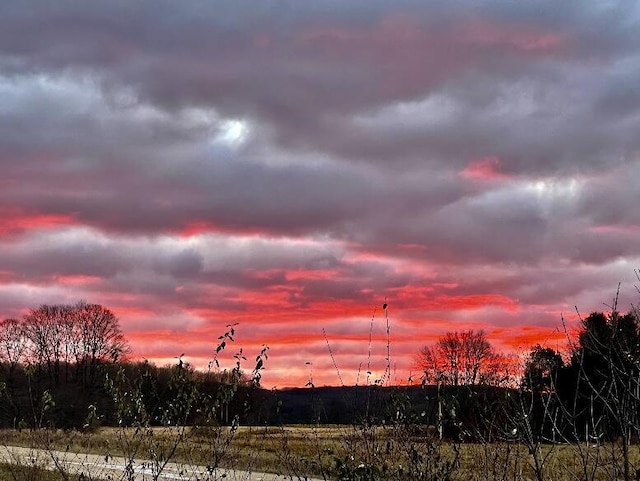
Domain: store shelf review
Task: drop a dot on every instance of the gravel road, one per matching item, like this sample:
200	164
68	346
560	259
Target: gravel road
94	466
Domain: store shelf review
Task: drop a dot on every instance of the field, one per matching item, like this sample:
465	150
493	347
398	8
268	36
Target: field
333	452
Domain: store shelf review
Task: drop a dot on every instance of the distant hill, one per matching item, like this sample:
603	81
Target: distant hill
345	405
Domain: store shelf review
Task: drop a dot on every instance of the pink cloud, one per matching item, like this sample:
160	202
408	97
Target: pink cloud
523	38
412	56
78	280
616	229
484	169
13	221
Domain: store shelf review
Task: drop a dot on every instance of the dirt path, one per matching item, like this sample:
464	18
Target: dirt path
94	467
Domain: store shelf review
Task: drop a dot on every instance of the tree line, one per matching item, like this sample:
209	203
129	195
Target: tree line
67	366
64	362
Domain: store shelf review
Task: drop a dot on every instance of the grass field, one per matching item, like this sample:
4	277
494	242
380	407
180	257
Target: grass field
333	452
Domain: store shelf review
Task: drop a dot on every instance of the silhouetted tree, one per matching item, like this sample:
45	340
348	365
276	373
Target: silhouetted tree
13	344
461	358
48	329
605	365
97	338
541	369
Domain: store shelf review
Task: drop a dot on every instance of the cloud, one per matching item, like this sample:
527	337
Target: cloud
290	166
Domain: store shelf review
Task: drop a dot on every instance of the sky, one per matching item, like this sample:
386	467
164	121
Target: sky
290	166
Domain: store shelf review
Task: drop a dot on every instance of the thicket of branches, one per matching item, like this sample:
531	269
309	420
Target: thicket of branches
587	397
591	391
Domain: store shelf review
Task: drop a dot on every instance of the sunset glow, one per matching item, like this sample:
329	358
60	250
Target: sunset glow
473	165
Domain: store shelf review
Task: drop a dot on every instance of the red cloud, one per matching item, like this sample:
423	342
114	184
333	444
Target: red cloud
299	333
13	221
75	280
198	227
525	337
486	168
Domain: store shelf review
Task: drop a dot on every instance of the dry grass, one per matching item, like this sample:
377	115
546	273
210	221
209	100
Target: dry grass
312	450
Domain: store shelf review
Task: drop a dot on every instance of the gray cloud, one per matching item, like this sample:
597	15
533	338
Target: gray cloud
171	153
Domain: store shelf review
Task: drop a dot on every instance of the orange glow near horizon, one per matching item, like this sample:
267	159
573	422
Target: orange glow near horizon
328	332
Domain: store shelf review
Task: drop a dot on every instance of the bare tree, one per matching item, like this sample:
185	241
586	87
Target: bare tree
82	334
13	343
461	358
47	329
98	339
